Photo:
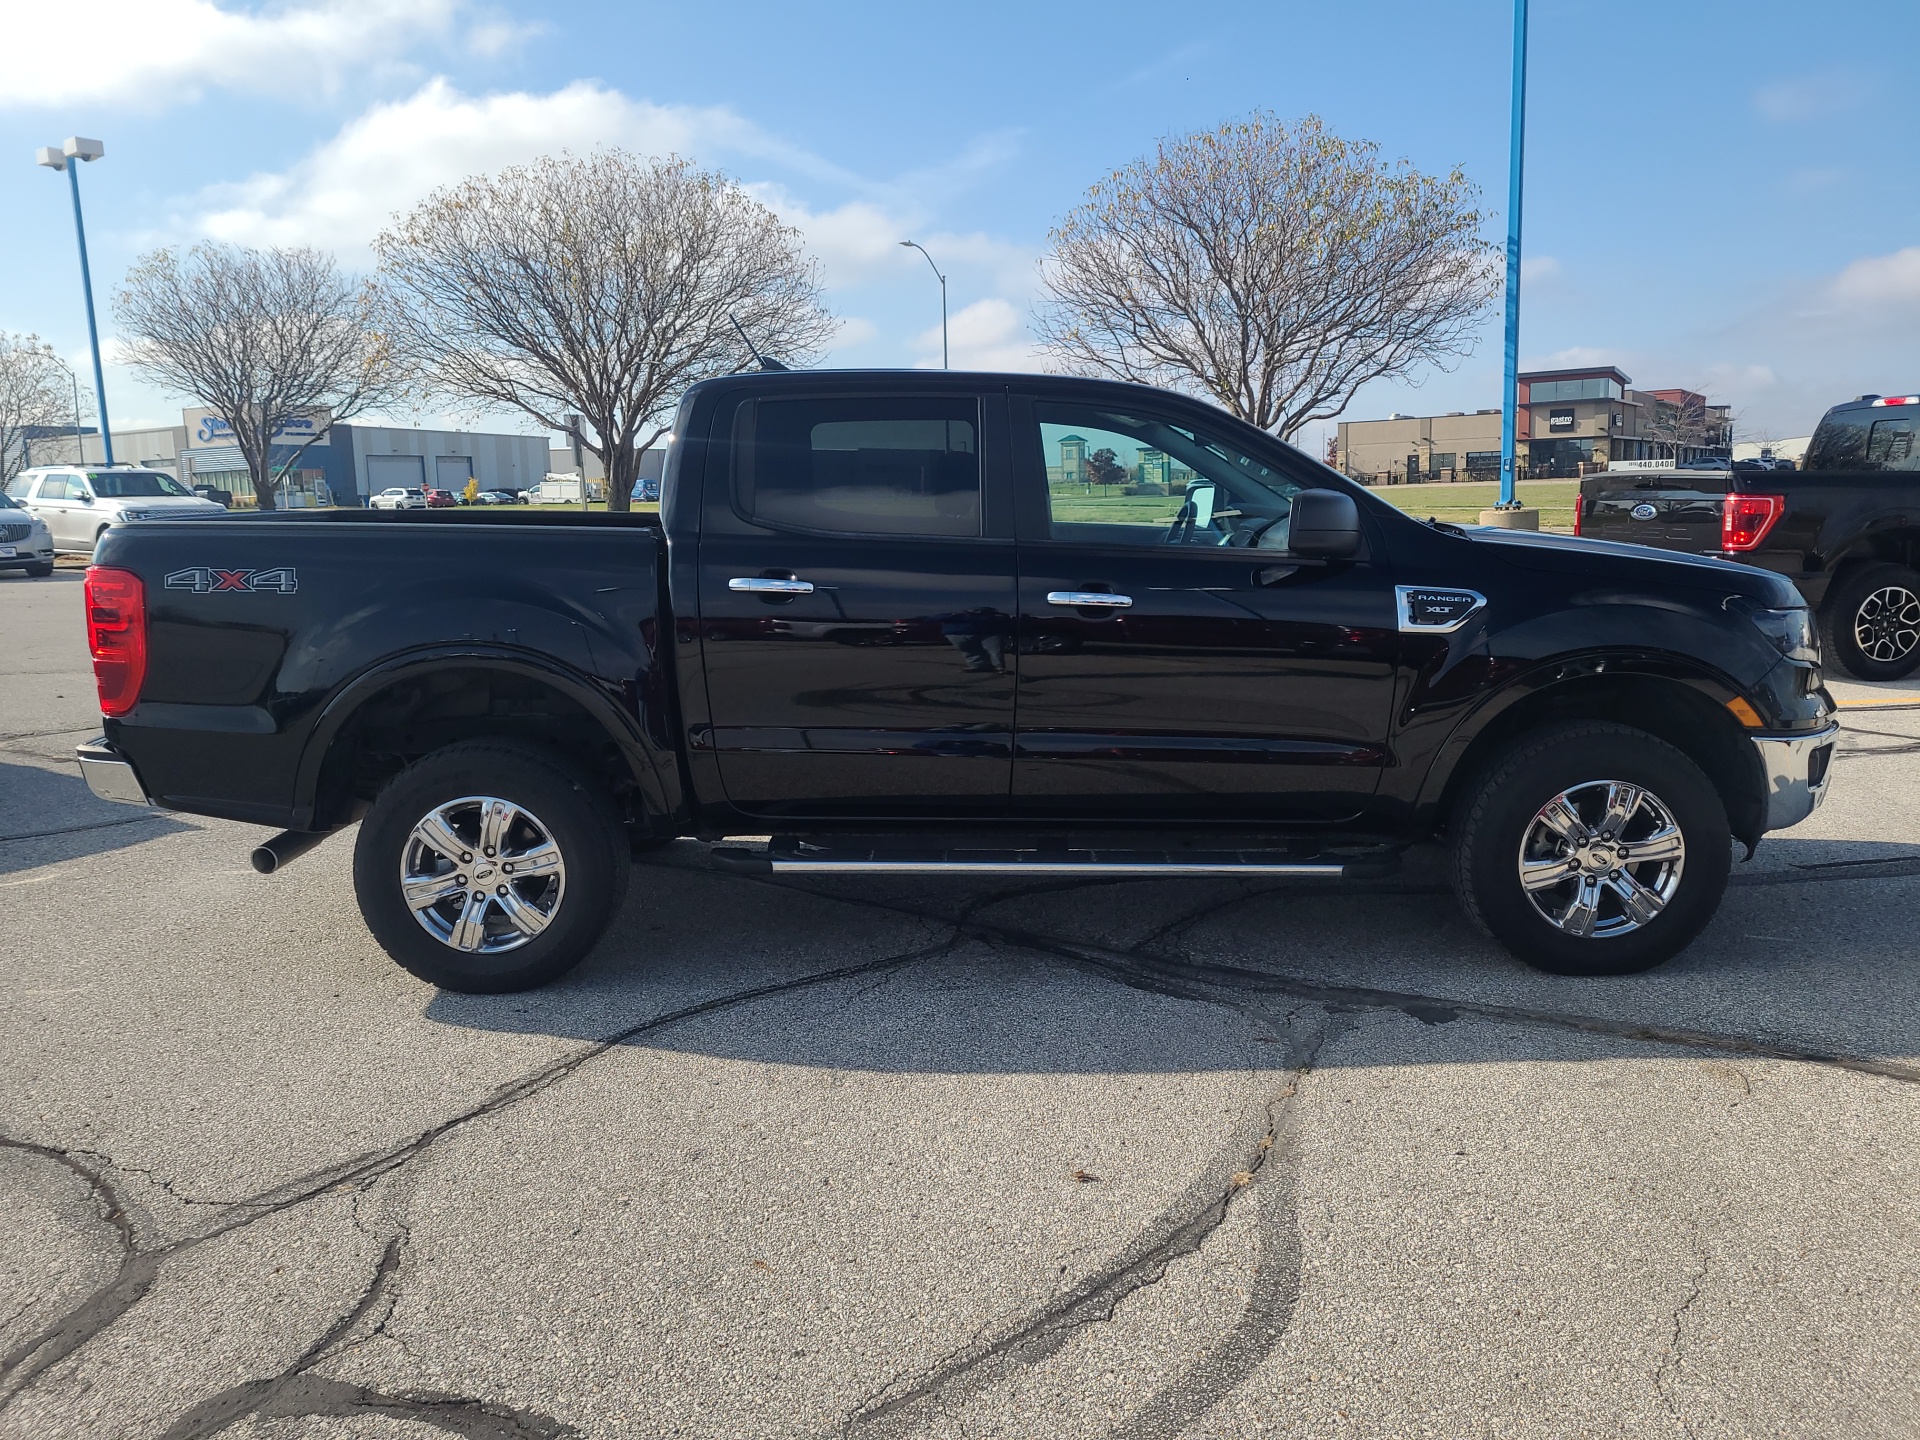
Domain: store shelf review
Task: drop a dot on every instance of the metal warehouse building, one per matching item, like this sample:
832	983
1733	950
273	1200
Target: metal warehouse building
345	465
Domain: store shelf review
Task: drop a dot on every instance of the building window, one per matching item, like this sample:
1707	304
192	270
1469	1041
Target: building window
1442	460
1483	460
1592	387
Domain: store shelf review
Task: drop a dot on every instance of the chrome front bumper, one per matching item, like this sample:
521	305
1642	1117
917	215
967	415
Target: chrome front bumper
109	776
1797	768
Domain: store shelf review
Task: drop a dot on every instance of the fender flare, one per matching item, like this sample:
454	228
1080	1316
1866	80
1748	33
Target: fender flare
625	730
1444	770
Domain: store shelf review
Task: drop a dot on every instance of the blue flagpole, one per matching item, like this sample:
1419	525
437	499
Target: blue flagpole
1516	151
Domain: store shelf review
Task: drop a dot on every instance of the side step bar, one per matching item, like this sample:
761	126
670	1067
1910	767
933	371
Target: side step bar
787	859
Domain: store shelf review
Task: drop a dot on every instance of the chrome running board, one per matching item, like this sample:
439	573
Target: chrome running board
784	857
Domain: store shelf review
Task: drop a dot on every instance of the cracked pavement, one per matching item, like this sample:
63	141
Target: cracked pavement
930	1158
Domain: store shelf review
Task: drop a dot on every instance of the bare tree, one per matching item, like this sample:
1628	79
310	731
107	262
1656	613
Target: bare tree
1274	270
36	392
1682	420
260	337
604	286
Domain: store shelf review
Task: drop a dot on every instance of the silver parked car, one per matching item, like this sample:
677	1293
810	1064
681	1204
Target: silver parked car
25	542
79	504
399	497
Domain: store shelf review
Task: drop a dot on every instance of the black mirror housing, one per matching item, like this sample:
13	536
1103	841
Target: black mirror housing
1325	525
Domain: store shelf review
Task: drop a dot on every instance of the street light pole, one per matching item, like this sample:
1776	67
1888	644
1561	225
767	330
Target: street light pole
916	245
66	158
1516	151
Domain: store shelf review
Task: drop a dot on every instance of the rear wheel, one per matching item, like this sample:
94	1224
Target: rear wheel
489	867
1871	623
1592	850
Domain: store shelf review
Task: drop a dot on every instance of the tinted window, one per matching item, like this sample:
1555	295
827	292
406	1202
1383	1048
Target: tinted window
1840	443
878	466
56	487
1890	445
134	484
1119	479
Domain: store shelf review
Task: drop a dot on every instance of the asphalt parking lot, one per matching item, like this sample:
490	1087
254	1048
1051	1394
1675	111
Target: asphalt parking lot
892	1158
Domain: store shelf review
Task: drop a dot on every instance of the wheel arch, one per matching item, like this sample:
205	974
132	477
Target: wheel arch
1688	710
1893	544
472	692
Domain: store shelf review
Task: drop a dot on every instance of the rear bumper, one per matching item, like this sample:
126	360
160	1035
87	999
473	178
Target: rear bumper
1797	768
109	775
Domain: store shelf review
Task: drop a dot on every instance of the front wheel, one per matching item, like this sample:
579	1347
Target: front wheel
1872	623
489	867
1592	849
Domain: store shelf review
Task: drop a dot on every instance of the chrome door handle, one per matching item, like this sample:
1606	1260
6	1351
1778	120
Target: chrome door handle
1102	598
766	585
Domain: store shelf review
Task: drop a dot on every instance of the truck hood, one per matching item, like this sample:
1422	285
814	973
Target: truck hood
1571	554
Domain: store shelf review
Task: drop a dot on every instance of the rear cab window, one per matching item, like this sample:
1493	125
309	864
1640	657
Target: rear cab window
860	465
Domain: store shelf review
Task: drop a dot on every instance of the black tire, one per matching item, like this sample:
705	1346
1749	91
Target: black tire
1504	805
1870	624
556	802
41	571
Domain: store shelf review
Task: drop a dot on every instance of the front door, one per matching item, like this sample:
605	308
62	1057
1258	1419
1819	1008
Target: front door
856	606
1176	663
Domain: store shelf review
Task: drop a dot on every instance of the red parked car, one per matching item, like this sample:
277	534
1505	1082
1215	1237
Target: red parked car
440	499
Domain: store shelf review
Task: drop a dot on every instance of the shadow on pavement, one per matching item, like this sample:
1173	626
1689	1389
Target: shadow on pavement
1813	956
40	803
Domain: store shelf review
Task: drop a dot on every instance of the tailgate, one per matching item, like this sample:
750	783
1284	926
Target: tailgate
1674	511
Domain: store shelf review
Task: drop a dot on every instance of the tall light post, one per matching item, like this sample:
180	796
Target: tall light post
1516	151
916	245
66	158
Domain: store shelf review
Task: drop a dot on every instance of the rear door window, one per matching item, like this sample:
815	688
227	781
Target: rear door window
862	466
56	487
1839	444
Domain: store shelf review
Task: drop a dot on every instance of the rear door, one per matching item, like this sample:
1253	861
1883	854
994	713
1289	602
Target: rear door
56	502
856	604
1673	510
1175	663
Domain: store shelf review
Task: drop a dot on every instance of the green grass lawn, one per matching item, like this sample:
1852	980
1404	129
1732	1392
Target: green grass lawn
1463	503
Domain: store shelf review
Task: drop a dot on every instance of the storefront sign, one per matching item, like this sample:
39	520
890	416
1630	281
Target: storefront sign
205	429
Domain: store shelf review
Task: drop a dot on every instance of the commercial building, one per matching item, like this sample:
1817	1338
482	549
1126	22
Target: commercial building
344	464
1569	422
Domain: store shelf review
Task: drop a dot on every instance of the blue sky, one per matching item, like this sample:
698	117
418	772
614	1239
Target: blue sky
1721	195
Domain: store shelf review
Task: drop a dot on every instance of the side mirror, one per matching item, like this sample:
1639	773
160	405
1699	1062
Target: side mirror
84	498
1325	525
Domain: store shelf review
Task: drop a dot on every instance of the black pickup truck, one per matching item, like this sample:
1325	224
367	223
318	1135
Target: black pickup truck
1845	527
957	624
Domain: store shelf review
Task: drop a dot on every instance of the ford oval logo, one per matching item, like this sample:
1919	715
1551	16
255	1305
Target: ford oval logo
1644	511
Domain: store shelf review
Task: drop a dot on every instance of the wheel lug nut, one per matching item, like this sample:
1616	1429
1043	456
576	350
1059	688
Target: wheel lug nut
502	890
489	849
506	869
460	880
465	858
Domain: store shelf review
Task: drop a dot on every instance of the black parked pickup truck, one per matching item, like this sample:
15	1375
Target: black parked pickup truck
941	623
1845	528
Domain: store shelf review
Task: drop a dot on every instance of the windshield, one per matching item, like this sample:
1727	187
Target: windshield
134	484
6	501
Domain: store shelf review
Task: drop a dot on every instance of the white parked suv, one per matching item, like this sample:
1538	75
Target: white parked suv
25	542
79	504
399	498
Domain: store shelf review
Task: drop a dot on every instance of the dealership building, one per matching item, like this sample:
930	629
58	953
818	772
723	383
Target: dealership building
1569	422
344	464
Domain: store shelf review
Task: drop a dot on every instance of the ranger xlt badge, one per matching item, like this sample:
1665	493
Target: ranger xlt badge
1428	610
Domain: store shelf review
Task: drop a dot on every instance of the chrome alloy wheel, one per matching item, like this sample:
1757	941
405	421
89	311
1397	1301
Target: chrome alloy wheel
1887	624
1601	859
482	875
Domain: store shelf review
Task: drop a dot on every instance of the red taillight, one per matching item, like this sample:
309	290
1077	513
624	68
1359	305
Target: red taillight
1579	509
1746	519
1896	400
117	636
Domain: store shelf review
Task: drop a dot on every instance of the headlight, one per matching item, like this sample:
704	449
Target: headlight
1789	631
132	515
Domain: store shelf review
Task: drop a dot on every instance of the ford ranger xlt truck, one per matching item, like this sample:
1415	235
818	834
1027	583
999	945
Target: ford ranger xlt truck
954	624
1844	528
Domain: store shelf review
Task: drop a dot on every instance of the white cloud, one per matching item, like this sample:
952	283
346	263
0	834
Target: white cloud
346	190
986	335
151	53
1807	97
1878	281
1538	268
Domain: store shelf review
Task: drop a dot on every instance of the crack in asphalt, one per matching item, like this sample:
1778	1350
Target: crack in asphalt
140	1264
1199	980
1666	1376
904	1405
298	1393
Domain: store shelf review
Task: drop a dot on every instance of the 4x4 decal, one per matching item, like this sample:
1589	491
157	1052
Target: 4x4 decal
202	580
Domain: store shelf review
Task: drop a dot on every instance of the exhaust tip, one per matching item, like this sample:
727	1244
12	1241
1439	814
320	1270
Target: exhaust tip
265	860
